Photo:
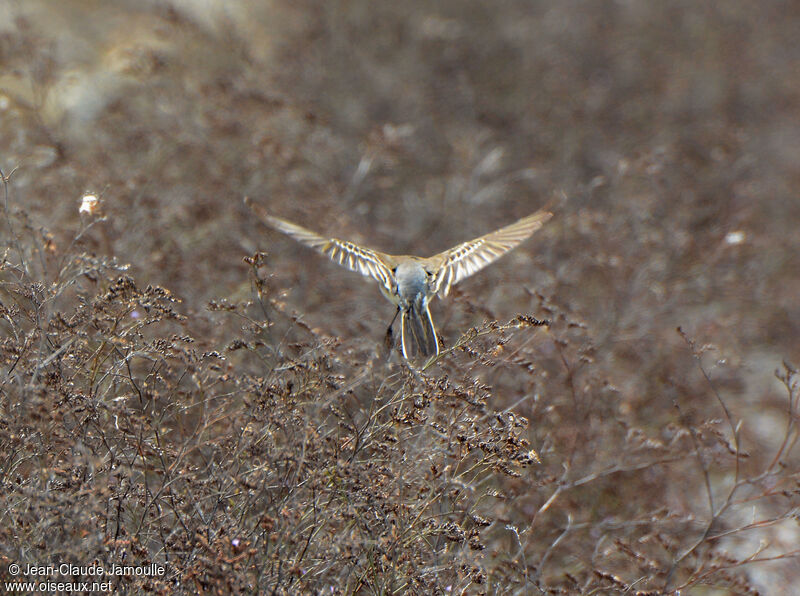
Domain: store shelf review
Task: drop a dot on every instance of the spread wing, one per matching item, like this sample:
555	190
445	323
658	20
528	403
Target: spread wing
356	258
465	259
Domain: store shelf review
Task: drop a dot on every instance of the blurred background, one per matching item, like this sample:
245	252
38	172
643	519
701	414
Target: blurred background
667	132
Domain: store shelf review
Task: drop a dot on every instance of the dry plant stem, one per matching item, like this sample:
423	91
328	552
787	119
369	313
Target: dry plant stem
6	179
551	547
474	333
792	385
716	513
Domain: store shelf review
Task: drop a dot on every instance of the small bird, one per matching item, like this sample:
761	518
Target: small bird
410	282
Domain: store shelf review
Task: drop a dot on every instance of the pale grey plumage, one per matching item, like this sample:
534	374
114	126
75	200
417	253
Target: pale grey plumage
410	281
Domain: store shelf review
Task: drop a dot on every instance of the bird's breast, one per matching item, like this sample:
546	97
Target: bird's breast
412	280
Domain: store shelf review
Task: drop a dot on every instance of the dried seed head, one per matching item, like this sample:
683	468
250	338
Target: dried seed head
89	204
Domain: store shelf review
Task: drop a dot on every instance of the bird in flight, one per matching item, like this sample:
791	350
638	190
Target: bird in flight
410	282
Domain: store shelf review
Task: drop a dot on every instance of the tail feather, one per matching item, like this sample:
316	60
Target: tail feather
418	332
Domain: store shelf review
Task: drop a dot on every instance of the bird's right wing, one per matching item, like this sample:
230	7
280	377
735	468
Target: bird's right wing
342	252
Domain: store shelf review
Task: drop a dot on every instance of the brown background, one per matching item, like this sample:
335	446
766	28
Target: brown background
668	131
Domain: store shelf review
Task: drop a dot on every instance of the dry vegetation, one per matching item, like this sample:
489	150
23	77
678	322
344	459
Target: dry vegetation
180	386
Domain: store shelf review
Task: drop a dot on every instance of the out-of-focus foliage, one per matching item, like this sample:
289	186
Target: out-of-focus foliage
171	394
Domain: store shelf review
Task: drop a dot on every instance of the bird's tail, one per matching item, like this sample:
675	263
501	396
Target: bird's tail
418	333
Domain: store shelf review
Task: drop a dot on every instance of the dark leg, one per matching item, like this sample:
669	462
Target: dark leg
389	340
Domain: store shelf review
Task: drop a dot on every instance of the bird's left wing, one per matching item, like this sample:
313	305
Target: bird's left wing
347	254
469	257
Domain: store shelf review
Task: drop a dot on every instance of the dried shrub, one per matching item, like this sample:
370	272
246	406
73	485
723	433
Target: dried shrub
598	420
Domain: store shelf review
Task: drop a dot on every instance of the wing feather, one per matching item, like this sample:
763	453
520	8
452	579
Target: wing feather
365	261
470	257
